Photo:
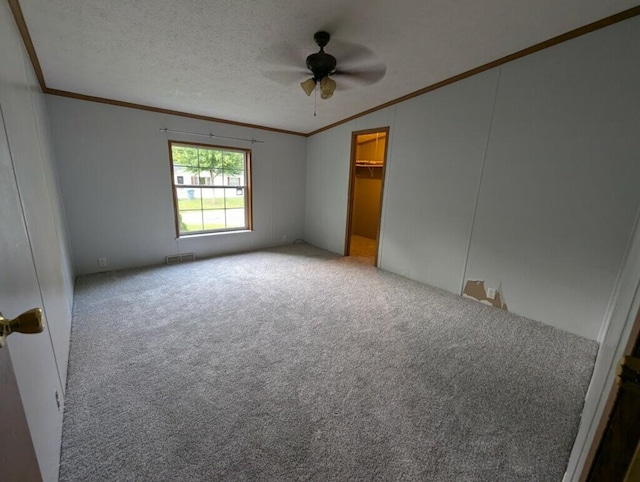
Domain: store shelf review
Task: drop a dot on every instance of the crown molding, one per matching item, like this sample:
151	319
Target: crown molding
160	110
16	10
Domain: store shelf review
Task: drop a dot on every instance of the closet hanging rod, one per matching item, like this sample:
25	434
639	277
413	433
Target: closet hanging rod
211	135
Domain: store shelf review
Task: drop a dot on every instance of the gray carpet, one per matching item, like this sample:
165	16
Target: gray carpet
295	364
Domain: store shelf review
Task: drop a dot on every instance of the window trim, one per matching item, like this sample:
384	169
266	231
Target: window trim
248	187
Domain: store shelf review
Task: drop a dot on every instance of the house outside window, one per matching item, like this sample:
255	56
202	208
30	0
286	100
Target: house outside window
219	196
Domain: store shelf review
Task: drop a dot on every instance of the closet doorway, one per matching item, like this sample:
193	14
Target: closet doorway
366	183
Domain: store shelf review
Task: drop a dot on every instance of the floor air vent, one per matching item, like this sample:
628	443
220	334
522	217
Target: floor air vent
180	258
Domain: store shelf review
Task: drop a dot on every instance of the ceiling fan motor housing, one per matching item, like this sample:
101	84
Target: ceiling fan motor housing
322	38
321	63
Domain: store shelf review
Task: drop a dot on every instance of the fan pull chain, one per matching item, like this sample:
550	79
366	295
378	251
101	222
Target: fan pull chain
315	101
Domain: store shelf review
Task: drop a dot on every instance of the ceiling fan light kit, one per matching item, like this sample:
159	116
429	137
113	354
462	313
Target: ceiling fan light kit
308	86
327	86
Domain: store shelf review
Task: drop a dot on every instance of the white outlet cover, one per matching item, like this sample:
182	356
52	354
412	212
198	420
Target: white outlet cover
491	293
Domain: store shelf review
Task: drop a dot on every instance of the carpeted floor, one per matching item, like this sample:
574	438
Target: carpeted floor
295	364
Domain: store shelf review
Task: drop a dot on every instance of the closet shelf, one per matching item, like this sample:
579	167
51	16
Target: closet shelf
369	168
365	163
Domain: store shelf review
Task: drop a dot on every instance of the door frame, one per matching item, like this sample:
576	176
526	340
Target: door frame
352	183
631	349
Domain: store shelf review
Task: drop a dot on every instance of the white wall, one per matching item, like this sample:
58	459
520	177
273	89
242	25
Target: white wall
35	218
525	176
560	188
437	149
113	164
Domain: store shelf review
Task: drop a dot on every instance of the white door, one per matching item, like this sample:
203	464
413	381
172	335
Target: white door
17	457
32	356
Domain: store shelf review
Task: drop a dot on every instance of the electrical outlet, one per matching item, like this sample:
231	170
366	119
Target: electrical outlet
491	293
285	238
102	262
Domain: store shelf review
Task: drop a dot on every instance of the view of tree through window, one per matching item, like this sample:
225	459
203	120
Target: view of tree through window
212	188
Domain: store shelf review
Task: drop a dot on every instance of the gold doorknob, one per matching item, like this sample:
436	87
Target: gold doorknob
28	322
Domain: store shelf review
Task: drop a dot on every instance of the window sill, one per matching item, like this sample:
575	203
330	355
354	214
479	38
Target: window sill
221	233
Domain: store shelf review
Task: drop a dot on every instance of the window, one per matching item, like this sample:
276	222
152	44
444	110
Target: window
212	202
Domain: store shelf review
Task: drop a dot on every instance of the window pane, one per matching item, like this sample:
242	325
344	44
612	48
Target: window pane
189	209
219	178
236	218
184	156
189	198
239	175
190	221
217	195
208	159
232	162
226	178
209	200
213	219
235	208
180	175
207	178
235	197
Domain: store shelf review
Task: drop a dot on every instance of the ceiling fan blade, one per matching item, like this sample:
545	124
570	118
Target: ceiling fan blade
285	77
349	53
362	76
283	54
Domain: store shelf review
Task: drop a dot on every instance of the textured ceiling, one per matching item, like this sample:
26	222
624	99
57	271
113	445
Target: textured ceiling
218	57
